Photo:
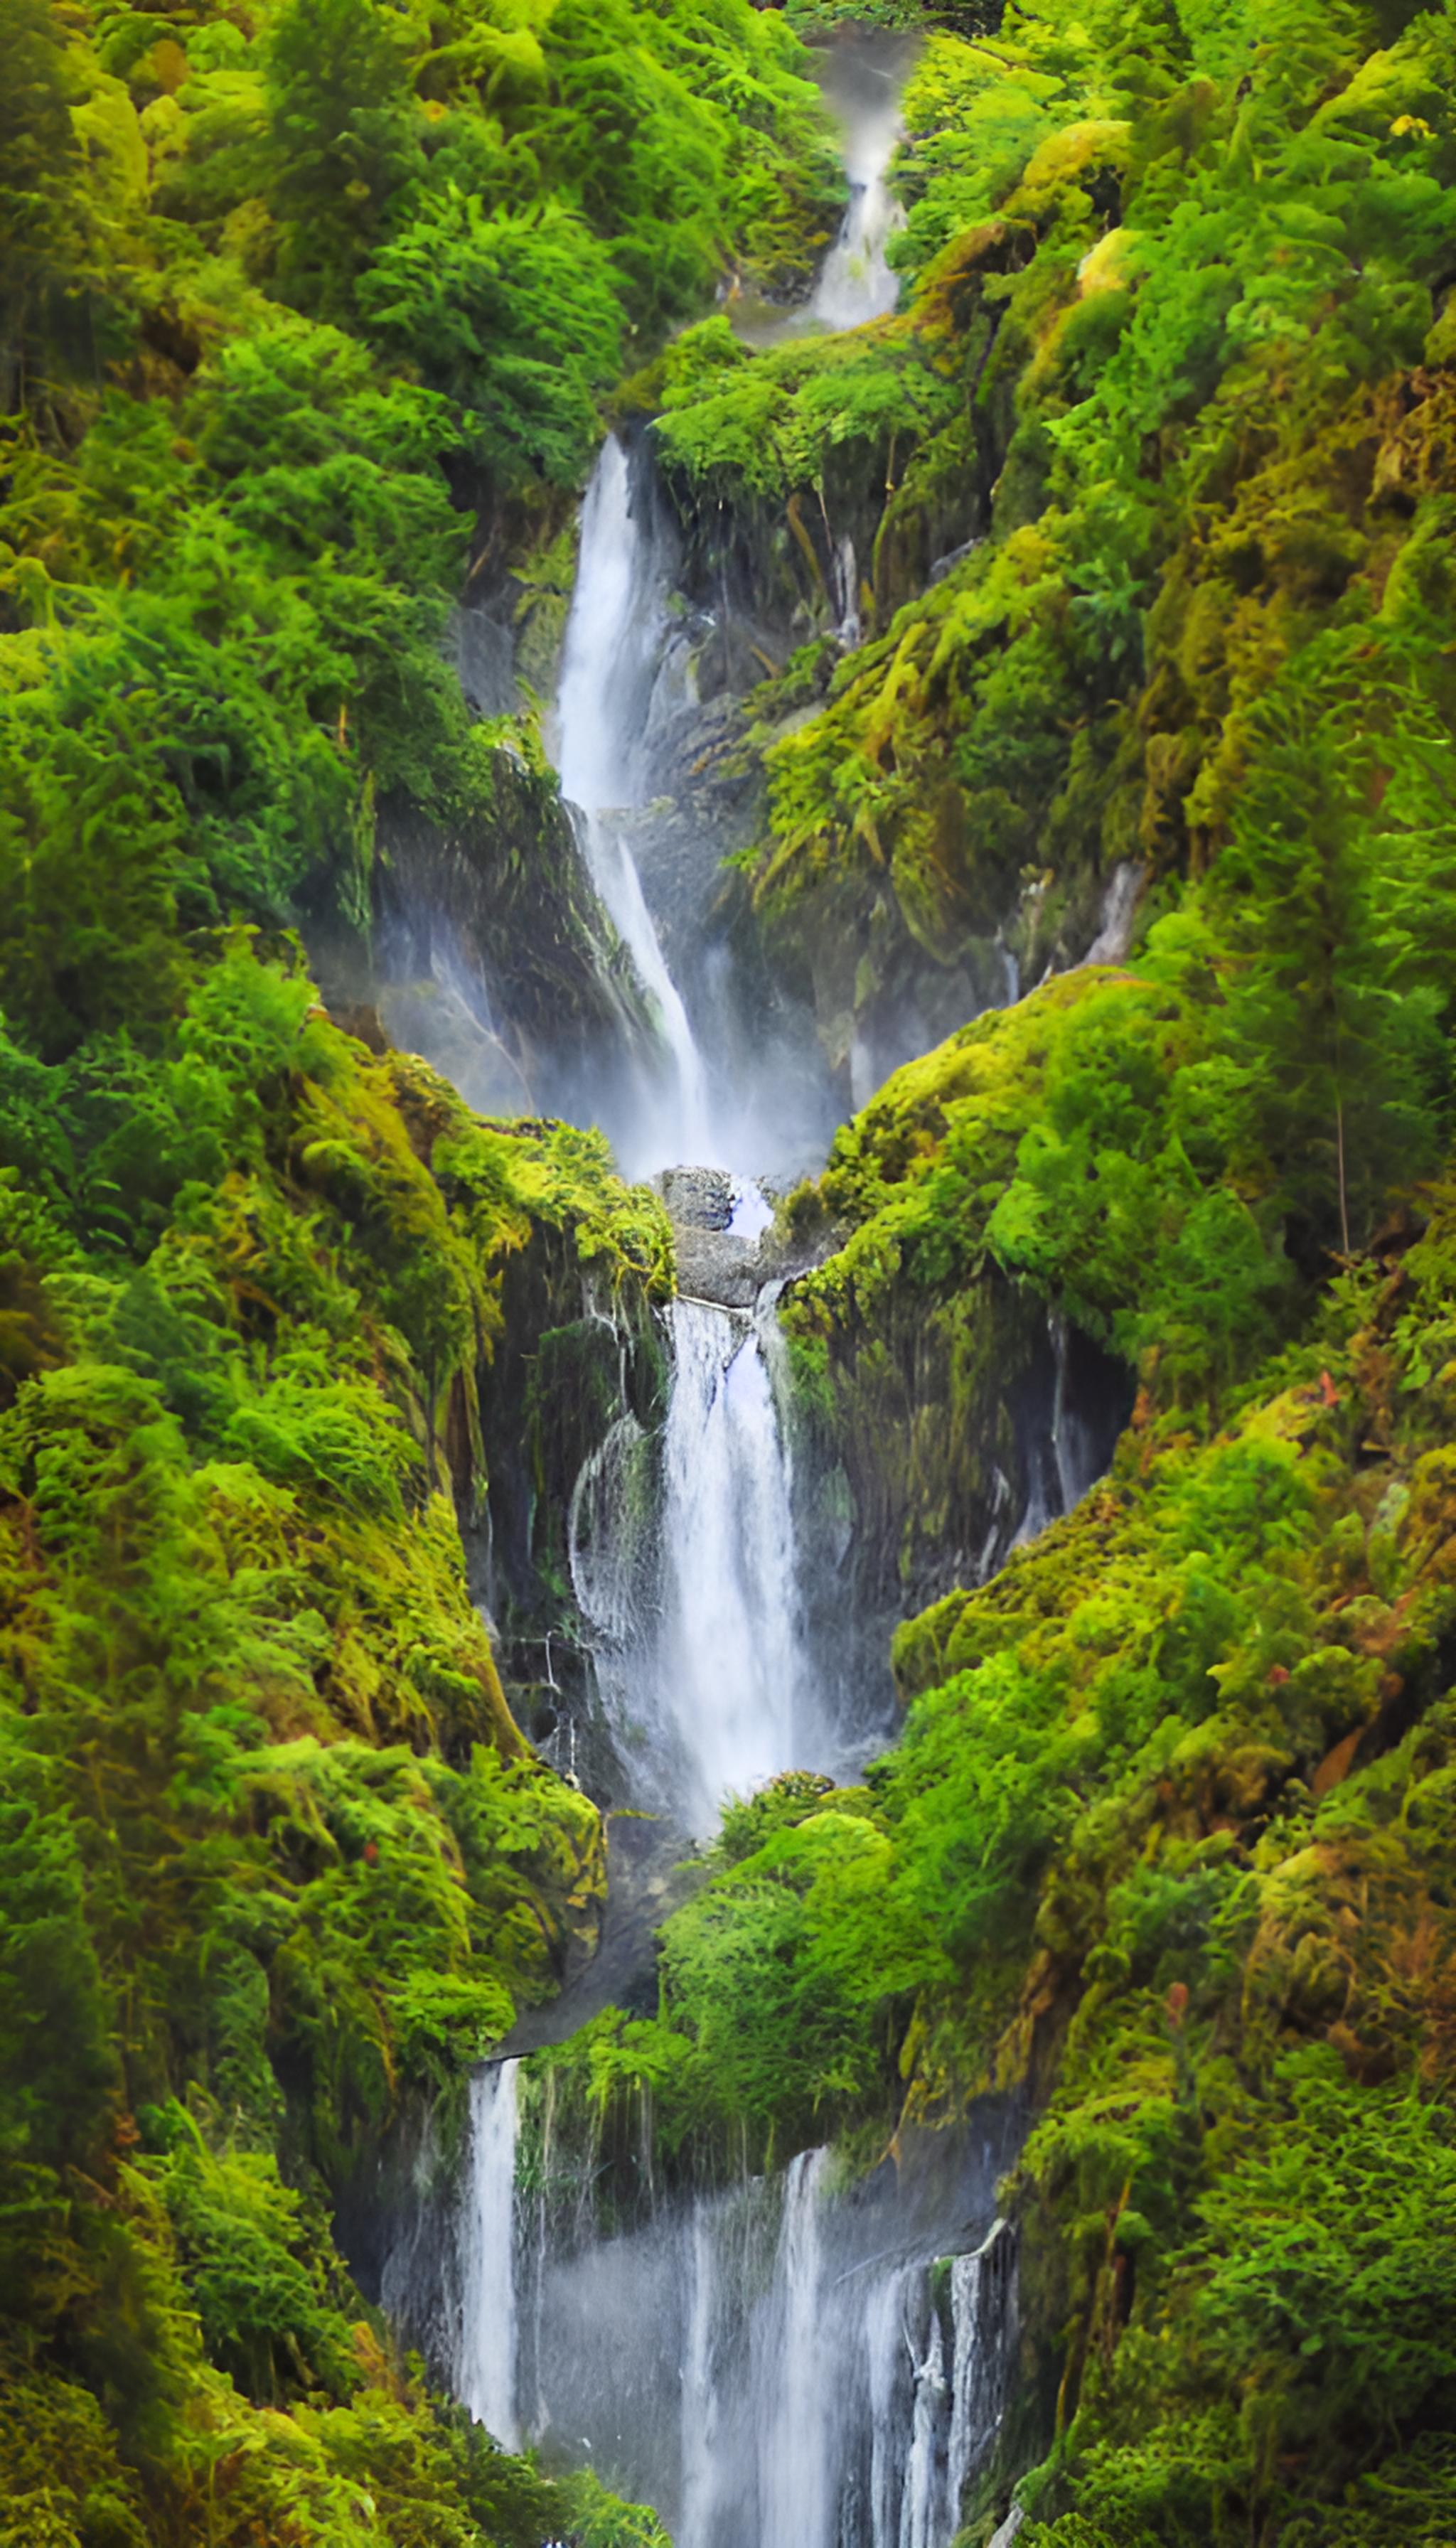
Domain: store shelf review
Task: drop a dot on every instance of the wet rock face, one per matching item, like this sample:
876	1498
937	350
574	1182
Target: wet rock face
648	1878
482	647
495	957
569	1364
715	1261
958	1426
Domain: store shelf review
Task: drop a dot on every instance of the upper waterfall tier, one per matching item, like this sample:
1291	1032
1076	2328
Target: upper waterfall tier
613	655
863	85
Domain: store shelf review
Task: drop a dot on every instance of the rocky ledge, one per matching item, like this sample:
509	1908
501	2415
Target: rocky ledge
720	1221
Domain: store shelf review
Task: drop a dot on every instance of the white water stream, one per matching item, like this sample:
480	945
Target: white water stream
773	2364
739	2359
683	1560
613	647
486	2350
856	281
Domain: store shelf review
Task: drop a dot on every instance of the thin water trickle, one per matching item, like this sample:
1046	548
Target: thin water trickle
887	2350
1115	918
699	2386
923	2512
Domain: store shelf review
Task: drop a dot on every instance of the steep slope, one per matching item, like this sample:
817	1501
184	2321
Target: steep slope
278	1863
1143	483
279	1866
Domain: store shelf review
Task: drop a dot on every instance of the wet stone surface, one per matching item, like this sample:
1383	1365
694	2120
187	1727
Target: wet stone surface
716	1261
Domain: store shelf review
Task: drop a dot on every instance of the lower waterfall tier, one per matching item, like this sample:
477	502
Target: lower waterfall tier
773	2364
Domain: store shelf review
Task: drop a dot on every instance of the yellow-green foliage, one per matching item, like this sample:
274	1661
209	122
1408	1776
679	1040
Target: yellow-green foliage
1168	1151
1181	271
265	278
277	1858
368	2457
278	1865
739	422
1165	1841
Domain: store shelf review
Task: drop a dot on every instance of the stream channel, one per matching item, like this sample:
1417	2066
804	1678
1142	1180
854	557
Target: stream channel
773	2362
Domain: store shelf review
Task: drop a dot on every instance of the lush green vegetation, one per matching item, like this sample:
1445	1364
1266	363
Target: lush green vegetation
302	308
269	287
1163	1842
278	1865
1165	1839
285	292
1172	357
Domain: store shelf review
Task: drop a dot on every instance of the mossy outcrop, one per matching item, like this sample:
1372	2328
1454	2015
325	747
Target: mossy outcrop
1089	524
957	1413
281	1862
495	955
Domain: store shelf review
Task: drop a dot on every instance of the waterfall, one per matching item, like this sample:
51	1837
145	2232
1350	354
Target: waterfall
795	2446
682	1563
886	2353
701	2418
1116	915
856	282
774	2365
486	2356
1073	1447
848	625
983	2314
613	646
735	1669
923	2513
776	2362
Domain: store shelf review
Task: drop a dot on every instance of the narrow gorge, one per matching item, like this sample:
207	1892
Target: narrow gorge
727	1274
760	2357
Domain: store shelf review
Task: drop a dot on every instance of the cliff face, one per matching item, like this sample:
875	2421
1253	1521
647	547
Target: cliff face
493	952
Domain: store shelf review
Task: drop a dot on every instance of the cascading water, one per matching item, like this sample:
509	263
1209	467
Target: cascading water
739	1678
862	72
793	2469
613	646
857	283
683	1561
774	2365
486	2350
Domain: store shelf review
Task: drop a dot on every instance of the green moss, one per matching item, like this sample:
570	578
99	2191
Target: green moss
1164	1842
281	1867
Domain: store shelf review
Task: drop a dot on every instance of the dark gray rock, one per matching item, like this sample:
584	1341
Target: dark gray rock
697	1197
